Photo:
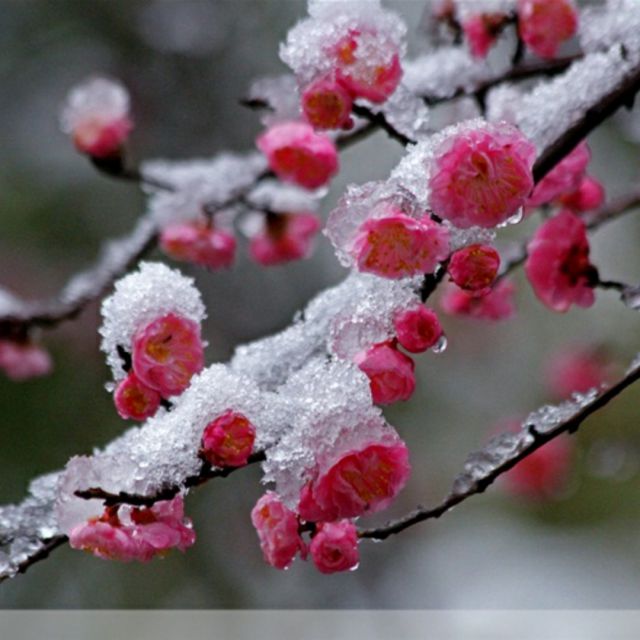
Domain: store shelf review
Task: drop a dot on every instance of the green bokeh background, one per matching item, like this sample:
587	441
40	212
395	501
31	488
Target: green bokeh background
186	64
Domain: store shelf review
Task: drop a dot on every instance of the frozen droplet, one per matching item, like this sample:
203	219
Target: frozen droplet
441	345
109	387
355	567
516	218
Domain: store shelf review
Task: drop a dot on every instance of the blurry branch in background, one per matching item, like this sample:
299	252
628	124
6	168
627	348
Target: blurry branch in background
483	467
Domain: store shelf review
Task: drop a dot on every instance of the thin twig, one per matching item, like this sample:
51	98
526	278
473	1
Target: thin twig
457	496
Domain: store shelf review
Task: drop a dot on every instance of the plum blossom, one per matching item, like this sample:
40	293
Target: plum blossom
397	246
326	104
334	547
127	534
390	372
588	196
277	528
474	268
296	153
558	266
482	176
21	361
576	370
417	328
96	115
545	24
565	177
481	31
228	440
134	399
361	481
198	243
284	237
167	352
496	305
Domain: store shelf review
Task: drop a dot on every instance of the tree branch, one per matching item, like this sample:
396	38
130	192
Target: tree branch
470	483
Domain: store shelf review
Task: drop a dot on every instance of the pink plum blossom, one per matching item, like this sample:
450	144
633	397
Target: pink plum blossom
496	305
134	399
576	370
482	176
296	153
588	196
362	71
228	440
167	353
558	266
96	115
104	540
545	24
390	372
198	243
284	237
474	268
544	473
362	481
277	528
334	547
327	104
417	328
21	361
397	246
481	31
565	177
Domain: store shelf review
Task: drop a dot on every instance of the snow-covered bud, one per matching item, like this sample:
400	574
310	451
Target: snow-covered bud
334	547
135	400
327	104
228	440
96	115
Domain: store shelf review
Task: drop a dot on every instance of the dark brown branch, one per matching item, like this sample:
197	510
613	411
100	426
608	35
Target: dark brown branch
455	497
48	546
205	474
380	121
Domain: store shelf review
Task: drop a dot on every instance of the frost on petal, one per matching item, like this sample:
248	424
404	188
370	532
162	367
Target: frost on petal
139	298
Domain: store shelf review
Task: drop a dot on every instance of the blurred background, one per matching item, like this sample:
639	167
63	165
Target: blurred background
186	64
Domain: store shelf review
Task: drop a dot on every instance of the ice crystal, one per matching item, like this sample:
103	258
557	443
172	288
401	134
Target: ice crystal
550	416
617	22
152	291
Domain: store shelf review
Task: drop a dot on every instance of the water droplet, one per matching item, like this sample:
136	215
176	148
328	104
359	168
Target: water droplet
441	345
514	219
109	386
355	567
631	297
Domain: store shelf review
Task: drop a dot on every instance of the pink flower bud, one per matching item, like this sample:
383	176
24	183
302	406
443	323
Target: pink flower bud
277	528
576	370
23	360
197	243
474	268
167	352
496	305
97	117
565	177
362	481
545	24
327	105
284	237
588	196
397	246
483	176
334	547
481	31
364	68
134	400
390	373
228	440
417	328
296	153
558	266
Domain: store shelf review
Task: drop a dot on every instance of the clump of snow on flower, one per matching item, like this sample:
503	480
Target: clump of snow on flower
200	182
280	97
141	297
305	50
334	415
